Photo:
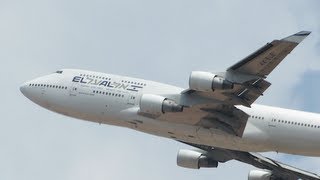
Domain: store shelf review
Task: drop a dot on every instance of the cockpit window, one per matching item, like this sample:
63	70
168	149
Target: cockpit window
59	72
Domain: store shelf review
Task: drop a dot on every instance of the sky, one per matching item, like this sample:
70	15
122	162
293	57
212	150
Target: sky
156	40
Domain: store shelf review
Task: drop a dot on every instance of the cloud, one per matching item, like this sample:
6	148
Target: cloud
156	40
305	92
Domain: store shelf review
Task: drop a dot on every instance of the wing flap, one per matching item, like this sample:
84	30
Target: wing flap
252	90
228	118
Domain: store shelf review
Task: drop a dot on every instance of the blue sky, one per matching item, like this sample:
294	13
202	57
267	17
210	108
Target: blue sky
156	40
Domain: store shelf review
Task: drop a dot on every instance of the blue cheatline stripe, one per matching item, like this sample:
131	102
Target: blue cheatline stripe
132	90
136	86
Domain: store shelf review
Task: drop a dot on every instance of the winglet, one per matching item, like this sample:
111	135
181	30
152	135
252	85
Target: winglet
298	37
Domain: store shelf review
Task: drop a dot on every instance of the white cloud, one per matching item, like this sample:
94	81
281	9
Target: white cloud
161	40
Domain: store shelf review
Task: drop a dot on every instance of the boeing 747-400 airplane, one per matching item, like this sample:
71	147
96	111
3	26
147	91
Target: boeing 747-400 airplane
215	114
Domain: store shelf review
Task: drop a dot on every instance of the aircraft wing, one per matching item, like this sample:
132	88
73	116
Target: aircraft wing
265	59
248	79
249	74
277	169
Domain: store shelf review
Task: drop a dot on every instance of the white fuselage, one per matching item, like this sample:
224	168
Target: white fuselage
112	99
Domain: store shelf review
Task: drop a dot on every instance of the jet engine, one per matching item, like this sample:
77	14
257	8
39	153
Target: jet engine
155	104
194	160
259	175
206	81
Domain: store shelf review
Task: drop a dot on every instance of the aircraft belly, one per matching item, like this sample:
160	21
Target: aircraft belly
192	134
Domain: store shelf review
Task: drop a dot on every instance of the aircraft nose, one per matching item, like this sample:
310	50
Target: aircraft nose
23	88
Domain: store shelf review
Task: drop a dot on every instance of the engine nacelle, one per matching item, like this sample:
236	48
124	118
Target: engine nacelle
206	81
259	175
194	160
155	104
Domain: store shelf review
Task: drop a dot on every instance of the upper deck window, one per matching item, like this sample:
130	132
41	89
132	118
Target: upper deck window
59	72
